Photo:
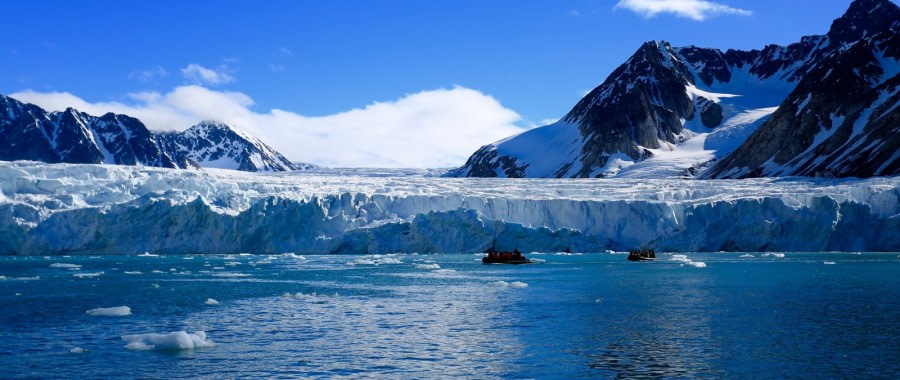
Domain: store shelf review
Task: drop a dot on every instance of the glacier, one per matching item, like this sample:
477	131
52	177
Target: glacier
63	209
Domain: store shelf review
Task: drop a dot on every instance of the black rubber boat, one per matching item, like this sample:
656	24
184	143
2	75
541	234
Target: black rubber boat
641	255
505	257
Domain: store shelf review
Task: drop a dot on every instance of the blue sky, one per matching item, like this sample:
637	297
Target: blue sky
327	58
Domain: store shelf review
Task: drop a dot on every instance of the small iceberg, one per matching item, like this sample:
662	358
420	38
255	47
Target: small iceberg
428	266
773	254
178	340
746	256
86	275
231	274
504	284
829	263
65	265
77	350
118	311
212	302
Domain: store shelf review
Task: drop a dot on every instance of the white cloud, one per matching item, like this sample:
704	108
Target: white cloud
697	10
147	75
197	74
436	128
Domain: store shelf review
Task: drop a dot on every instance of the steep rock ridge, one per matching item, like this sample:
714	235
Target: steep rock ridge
842	118
28	132
217	145
648	107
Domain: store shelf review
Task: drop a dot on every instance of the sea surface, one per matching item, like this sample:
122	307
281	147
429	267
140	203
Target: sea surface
699	315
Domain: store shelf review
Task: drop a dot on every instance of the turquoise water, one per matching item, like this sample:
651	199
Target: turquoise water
426	316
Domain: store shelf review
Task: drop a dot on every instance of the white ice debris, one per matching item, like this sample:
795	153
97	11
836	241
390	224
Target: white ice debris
118	311
684	260
428	266
773	254
231	274
504	284
130	210
65	265
178	340
88	275
746	256
210	301
77	350
829	263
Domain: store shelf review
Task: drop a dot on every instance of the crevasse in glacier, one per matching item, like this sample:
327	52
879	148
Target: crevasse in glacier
95	209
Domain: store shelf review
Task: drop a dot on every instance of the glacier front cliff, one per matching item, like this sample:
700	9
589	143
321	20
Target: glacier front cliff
95	209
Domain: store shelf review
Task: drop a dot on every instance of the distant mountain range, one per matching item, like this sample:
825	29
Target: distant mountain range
28	132
824	106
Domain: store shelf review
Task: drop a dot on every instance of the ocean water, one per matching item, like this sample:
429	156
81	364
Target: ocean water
717	315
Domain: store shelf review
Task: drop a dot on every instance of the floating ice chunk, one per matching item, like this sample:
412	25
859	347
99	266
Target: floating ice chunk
133	272
292	255
210	301
147	254
445	271
154	285
83	275
773	254
680	258
389	260
178	340
231	274
157	271
362	262
21	278
77	350
118	311
829	263
65	265
746	255
538	261
696	264
504	284
428	266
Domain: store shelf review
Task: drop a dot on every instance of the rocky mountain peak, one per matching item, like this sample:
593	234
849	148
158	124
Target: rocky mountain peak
864	18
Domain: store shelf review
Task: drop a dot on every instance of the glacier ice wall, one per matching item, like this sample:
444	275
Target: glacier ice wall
95	209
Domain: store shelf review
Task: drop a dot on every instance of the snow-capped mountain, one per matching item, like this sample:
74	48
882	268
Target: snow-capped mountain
217	145
28	132
670	111
842	119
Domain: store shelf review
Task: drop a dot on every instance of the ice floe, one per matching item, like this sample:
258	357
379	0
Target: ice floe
88	275
178	340
118	311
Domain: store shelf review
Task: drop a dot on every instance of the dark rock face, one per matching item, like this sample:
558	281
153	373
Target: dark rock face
28	132
710	112
643	104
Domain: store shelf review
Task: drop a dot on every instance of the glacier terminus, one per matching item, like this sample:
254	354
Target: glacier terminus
105	209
